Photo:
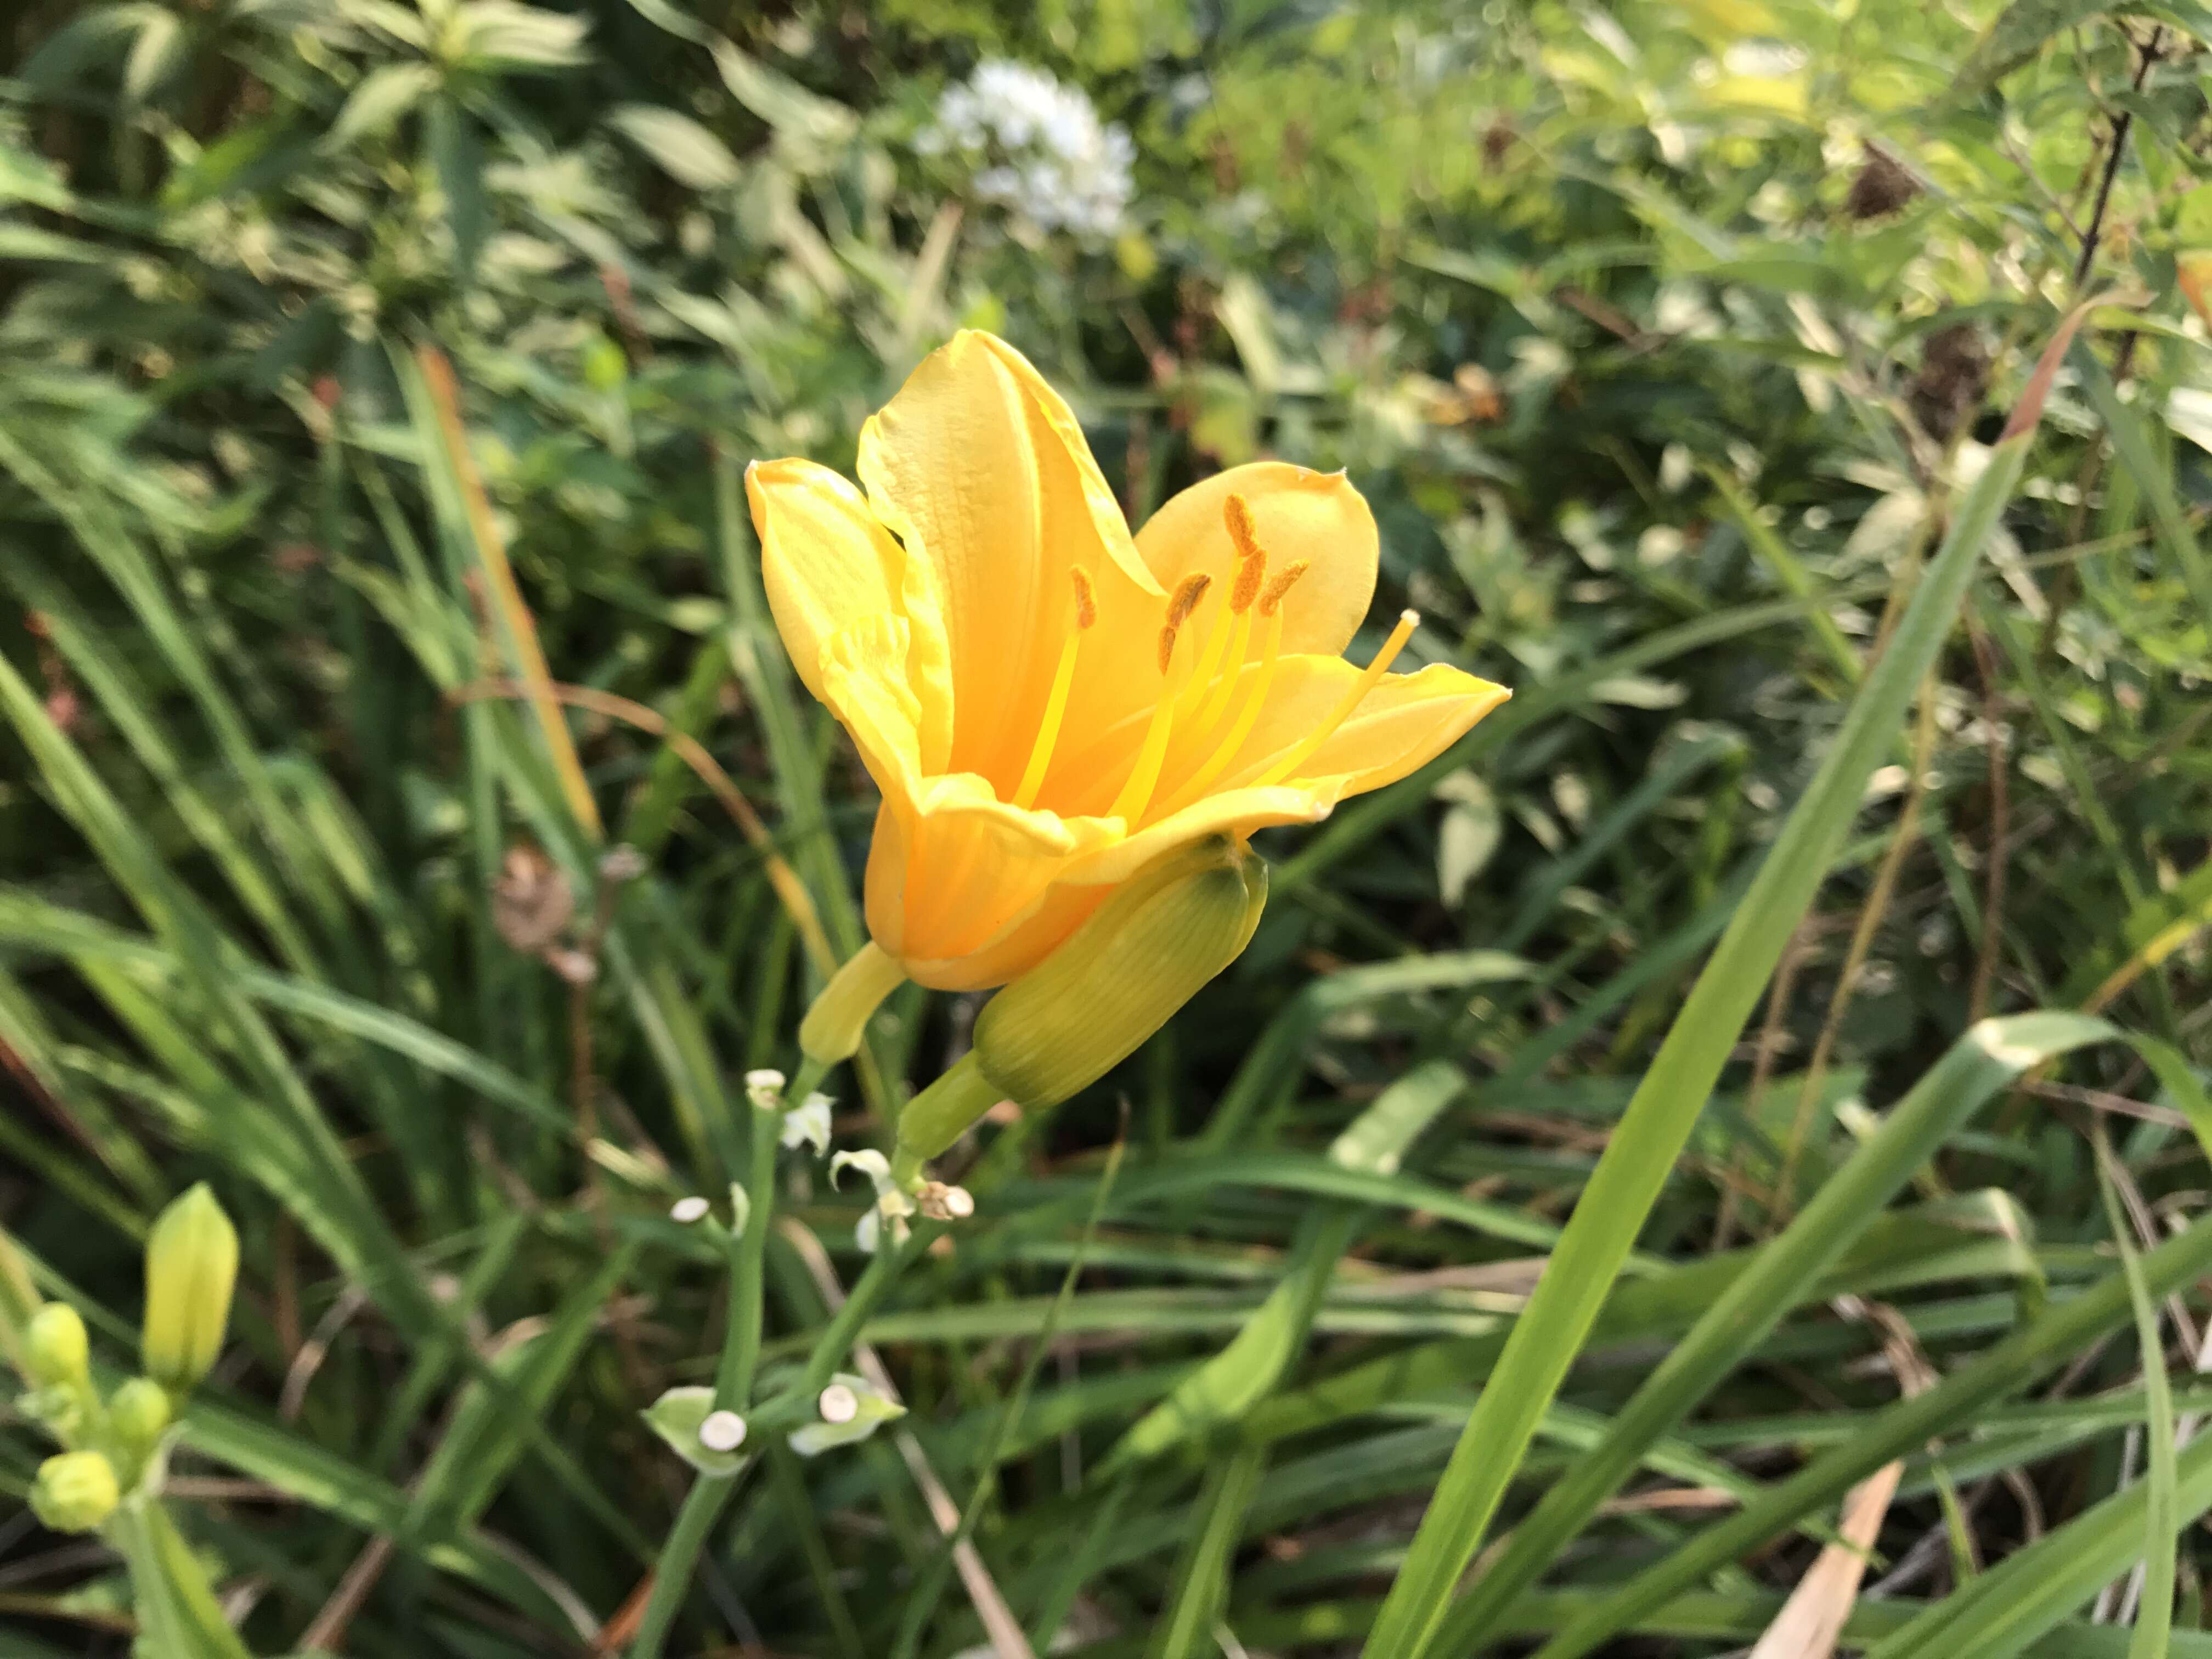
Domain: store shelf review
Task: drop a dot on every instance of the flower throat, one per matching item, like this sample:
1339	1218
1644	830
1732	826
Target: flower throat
1204	689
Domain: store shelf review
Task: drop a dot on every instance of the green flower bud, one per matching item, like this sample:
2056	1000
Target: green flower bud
75	1491
56	1352
137	1412
191	1265
1091	1003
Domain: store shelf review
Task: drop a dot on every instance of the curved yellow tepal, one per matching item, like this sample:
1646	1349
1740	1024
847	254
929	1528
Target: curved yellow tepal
1139	957
191	1265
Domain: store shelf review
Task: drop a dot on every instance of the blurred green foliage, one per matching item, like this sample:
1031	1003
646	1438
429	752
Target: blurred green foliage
1662	337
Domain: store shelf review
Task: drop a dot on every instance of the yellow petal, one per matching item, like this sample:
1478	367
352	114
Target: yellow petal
860	673
1403	723
828	564
982	469
1019	945
1298	514
952	867
1406	721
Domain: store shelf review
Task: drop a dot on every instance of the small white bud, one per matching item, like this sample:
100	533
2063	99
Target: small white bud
723	1431
838	1404
764	1088
688	1211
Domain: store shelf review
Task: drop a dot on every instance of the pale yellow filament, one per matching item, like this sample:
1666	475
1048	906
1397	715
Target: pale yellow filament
1055	702
1136	793
1209	658
1239	642
1248	714
1241	728
1209	687
1304	750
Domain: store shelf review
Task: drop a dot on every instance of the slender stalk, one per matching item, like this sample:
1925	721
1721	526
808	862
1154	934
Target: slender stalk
177	1609
844	1328
741	1344
734	1378
671	1577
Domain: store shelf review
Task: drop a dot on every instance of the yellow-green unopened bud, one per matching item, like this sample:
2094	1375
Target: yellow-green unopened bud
191	1263
137	1412
1090	1005
75	1491
839	1017
56	1352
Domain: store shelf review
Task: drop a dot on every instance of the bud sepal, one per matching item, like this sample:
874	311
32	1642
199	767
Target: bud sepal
1151	946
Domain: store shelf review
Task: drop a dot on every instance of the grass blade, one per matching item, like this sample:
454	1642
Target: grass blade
1659	1119
1978	1067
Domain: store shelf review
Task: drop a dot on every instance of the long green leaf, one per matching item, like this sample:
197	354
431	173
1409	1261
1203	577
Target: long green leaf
1976	1069
2004	1369
1659	1119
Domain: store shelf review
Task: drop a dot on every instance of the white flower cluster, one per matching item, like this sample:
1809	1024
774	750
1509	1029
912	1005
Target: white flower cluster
1039	147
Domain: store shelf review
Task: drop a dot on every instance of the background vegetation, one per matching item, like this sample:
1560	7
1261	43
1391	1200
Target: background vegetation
1667	339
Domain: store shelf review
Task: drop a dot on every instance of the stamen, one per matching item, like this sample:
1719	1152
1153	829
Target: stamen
1306	747
1272	600
1136	792
1055	702
1250	574
1232	626
1189	592
1271	607
1236	514
1247	716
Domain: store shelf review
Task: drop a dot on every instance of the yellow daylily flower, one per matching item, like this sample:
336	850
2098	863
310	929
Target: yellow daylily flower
1047	703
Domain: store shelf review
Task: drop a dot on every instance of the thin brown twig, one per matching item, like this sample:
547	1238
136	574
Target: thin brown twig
781	877
521	631
2122	124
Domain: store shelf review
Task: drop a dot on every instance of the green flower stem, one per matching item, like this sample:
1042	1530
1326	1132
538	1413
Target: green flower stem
741	1343
734	1374
939	1116
671	1575
178	1613
836	1339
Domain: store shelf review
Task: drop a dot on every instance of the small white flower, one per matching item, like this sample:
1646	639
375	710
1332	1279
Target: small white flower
892	1205
850	1410
808	1123
1048	158
764	1088
723	1431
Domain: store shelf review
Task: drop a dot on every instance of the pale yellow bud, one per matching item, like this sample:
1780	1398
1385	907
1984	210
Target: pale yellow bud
75	1491
839	1017
191	1265
1091	1003
56	1352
